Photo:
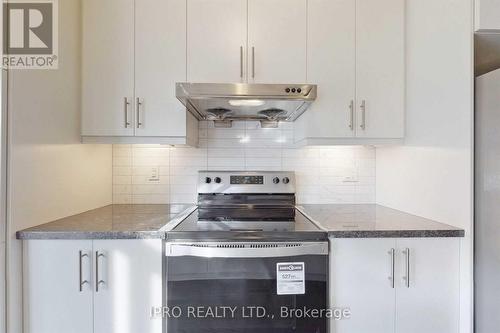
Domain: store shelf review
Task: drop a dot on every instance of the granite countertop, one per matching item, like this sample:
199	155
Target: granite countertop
153	221
113	222
370	220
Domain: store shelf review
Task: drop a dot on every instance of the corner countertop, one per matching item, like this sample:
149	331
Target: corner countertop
111	222
370	220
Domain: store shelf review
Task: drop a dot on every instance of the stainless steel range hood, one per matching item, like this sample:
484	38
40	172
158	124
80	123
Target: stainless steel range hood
225	102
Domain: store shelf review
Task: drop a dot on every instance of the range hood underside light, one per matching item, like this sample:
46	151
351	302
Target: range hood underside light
246	102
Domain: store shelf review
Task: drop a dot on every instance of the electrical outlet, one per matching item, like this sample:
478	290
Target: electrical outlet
154	175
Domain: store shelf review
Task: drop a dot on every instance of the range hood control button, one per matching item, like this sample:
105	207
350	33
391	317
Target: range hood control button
287	90
293	90
217	180
299	90
276	180
286	180
208	180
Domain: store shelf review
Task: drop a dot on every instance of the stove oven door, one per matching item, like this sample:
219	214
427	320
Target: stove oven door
246	287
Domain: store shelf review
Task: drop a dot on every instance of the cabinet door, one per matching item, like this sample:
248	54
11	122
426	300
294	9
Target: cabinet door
331	65
277	41
360	280
108	68
129	277
160	62
430	302
53	299
216	40
380	68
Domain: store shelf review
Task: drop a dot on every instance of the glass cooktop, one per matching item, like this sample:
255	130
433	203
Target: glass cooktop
300	228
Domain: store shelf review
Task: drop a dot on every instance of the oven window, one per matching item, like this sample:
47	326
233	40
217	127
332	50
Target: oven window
217	295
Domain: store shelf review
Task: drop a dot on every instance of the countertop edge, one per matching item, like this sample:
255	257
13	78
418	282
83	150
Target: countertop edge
397	234
40	235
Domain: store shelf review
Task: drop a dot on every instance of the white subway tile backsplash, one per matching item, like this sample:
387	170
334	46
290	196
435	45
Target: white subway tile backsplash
325	175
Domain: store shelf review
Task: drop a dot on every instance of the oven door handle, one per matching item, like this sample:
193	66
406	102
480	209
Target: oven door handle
245	250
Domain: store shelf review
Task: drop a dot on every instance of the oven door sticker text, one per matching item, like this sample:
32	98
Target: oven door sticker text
290	278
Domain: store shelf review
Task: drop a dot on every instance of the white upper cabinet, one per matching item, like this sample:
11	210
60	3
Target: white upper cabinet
216	40
331	64
277	41
108	68
429	300
133	54
380	68
356	56
487	15
254	41
160	62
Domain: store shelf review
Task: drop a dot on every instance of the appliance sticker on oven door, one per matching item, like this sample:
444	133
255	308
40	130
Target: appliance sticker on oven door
290	278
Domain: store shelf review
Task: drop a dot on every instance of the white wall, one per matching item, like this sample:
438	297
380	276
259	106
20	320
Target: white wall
324	174
51	174
431	175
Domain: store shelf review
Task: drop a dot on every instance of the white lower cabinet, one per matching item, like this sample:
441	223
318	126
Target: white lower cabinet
395	285
429	302
359	272
92	286
53	300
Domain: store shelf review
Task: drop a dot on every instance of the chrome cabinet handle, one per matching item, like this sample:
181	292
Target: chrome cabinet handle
363	115
138	110
241	62
392	253
81	281
253	62
351	115
406	278
125	107
97	280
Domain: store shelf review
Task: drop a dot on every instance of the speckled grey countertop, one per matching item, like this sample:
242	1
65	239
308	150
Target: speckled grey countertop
113	222
365	221
153	221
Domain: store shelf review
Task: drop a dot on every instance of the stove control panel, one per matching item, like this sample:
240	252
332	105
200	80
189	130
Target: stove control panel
226	182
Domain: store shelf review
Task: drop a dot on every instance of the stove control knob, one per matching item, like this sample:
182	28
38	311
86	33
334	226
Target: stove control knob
218	180
208	180
286	180
276	180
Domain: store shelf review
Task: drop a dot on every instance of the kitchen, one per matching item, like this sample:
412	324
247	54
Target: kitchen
379	166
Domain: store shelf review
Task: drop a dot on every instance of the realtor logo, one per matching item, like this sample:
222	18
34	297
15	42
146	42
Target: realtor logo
30	34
